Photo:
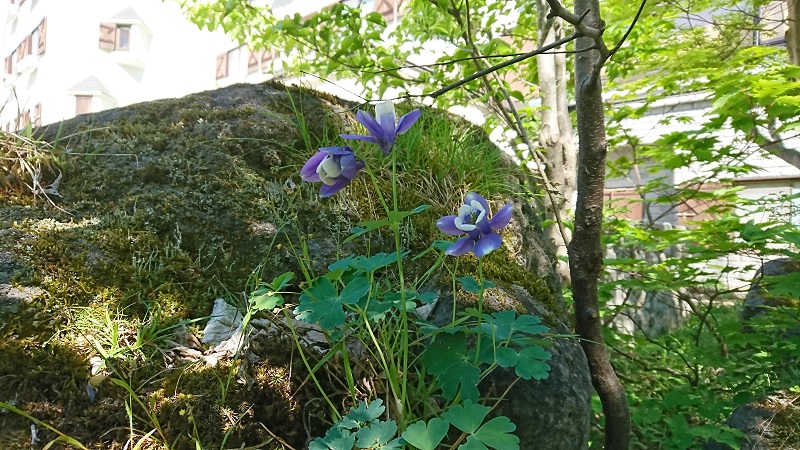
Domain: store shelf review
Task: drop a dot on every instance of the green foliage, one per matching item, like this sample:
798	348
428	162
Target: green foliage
360	428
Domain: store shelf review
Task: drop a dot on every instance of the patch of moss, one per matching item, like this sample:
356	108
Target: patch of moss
177	202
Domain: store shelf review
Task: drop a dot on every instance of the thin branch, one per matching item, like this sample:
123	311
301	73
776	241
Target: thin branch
497	67
628	31
558	10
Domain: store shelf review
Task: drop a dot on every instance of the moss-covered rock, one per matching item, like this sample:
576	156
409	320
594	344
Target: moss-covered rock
168	205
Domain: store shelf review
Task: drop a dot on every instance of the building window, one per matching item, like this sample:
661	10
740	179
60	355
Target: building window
39	37
233	61
115	37
259	59
123	37
229	64
83	104
387	8
37	115
222	66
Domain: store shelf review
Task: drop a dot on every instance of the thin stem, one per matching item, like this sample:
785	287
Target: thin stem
378	190
480	310
403	312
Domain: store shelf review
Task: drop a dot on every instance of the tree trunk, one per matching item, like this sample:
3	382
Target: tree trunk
585	252
793	31
556	133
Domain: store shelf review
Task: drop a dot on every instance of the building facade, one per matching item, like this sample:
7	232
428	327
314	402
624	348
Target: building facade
241	64
61	59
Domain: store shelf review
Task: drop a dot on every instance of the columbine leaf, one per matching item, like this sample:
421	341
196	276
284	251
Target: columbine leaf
363	414
265	298
426	436
366	227
281	281
355	289
467	417
469	284
320	303
376	310
375	262
428	297
335	439
444	351
531	363
507	324
341	265
377	435
447	358
506	357
496	433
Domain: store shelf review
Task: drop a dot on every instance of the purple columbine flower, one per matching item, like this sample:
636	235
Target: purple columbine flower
335	167
473	219
382	129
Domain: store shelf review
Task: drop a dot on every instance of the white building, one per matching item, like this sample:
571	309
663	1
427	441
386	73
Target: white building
774	178
241	64
63	58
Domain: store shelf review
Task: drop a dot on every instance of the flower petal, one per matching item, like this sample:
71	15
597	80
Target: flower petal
374	128
447	225
487	244
460	247
472	197
385	115
358	137
337	150
329	189
351	166
309	170
330	167
485	227
406	121
502	217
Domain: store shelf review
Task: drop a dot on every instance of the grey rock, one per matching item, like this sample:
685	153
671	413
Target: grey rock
554	413
176	189
561	417
757	298
224	322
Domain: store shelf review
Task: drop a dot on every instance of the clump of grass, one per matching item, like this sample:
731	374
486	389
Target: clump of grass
30	169
452	152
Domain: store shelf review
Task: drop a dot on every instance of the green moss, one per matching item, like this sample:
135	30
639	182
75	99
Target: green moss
175	203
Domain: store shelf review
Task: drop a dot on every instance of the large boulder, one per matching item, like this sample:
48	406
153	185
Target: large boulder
758	299
165	206
769	423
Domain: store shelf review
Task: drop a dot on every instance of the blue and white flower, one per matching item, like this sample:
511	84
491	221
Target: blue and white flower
473	220
384	128
335	167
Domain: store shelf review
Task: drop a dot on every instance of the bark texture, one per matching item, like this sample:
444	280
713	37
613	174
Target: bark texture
556	133
792	33
585	254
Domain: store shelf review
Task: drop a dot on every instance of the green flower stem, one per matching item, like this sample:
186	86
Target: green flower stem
378	190
402	367
348	371
480	309
403	312
311	370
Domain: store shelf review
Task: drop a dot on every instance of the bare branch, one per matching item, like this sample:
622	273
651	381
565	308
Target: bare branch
497	67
